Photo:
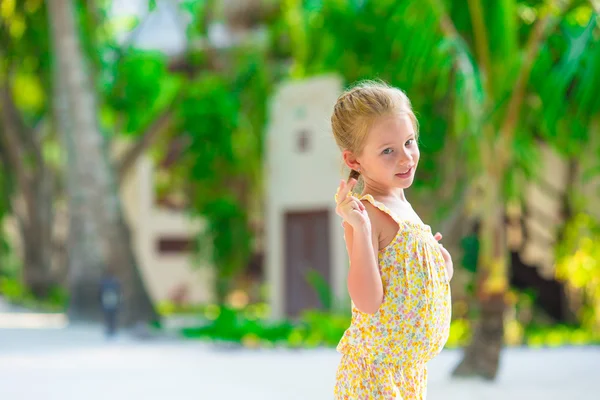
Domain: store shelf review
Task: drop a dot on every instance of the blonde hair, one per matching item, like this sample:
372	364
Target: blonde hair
357	109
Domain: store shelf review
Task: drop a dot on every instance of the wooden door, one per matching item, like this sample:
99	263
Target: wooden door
306	247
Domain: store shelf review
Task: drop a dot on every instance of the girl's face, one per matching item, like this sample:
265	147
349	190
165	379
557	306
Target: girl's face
391	155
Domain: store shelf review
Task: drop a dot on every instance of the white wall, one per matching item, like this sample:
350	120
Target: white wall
301	181
163	274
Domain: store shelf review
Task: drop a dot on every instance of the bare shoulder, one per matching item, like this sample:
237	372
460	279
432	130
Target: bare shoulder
376	217
375	214
384	228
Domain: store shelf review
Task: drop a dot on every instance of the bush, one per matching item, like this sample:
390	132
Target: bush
17	293
239	325
249	327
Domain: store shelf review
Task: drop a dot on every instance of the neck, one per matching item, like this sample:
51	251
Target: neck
392	193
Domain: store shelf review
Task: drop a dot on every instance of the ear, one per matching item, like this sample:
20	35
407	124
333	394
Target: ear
350	160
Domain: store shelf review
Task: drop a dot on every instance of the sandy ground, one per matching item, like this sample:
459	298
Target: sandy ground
77	363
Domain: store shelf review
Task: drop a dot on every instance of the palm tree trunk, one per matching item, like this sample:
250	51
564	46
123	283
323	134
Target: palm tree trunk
482	356
99	239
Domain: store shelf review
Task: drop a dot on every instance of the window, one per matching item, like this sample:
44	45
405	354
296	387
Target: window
303	141
175	245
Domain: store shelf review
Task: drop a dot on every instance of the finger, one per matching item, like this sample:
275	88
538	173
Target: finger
342	186
347	188
438	236
351	183
343	191
338	194
360	204
356	203
346	201
349	198
350	205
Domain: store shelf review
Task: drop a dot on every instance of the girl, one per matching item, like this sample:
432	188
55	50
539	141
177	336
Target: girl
399	274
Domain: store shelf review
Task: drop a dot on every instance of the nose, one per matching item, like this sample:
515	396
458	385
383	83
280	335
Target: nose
405	156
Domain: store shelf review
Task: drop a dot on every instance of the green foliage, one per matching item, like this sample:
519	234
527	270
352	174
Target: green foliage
250	327
560	335
319	328
13	290
16	293
235	325
10	264
470	246
460	333
8	260
564	78
222	116
24	50
321	287
139	91
209	115
579	266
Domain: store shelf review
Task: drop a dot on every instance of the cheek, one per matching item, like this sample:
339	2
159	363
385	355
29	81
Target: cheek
416	155
391	160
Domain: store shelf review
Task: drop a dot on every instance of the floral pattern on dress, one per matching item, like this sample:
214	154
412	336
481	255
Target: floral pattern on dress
384	355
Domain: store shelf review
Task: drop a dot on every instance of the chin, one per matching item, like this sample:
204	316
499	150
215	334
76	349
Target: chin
403	183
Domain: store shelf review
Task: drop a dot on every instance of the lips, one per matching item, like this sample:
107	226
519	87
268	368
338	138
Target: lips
405	174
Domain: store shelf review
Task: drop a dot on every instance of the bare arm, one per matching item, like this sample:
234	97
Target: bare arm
364	279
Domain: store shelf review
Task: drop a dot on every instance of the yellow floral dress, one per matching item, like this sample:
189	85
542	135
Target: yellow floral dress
384	355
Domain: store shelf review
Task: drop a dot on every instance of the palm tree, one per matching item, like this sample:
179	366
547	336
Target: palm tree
505	64
99	239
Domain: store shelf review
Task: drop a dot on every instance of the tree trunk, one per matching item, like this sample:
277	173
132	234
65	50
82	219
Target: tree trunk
37	237
32	203
99	239
482	356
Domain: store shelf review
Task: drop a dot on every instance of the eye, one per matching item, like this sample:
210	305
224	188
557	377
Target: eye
409	142
387	151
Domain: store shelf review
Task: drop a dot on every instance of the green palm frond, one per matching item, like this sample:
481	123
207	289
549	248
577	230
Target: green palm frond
566	78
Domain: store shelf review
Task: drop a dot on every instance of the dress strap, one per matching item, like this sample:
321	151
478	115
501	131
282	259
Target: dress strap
380	206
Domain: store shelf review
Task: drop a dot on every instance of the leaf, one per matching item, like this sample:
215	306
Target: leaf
564	85
321	287
29	93
470	246
7	9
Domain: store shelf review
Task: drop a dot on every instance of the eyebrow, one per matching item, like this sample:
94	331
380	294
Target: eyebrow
411	136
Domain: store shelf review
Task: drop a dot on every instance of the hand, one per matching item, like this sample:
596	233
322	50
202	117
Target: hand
446	255
351	209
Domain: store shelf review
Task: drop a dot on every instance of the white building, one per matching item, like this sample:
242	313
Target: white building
161	239
302	173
